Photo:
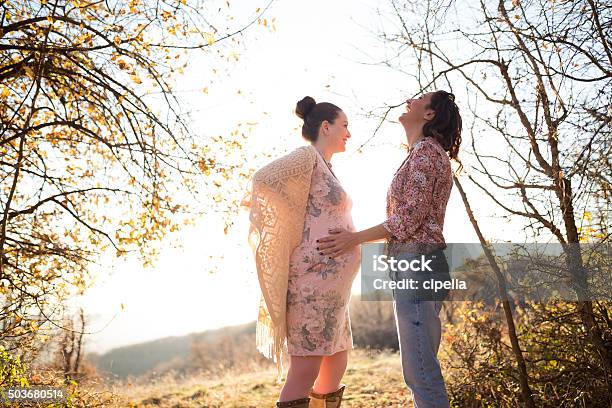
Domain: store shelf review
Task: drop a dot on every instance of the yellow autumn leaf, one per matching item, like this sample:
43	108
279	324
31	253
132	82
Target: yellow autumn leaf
122	64
5	92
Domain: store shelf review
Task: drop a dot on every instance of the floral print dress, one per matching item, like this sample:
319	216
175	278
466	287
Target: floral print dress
319	287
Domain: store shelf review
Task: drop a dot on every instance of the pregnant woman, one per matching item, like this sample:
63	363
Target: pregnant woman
296	200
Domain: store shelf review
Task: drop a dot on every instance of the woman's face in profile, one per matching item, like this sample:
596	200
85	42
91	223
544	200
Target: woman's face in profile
417	110
338	133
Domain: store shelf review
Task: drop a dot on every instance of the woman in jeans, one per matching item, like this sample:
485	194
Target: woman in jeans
416	204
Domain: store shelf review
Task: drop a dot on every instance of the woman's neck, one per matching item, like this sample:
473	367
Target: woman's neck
324	149
414	133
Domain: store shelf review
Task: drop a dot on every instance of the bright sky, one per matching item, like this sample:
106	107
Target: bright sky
313	52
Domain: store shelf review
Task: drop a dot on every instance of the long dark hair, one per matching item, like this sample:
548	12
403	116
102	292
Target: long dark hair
445	127
314	114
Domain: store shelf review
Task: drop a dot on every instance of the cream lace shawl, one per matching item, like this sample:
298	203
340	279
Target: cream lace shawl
278	202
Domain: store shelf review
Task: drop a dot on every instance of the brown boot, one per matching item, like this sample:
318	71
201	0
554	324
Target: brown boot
331	400
298	403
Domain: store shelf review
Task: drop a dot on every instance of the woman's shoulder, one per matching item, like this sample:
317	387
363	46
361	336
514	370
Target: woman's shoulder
426	144
300	160
300	154
430	147
308	150
428	153
304	156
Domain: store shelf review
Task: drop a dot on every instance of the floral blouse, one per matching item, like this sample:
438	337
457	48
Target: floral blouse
417	198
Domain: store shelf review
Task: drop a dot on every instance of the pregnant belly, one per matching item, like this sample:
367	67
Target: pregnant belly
320	227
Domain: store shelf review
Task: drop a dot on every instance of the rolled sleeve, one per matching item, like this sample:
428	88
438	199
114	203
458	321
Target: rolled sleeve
394	225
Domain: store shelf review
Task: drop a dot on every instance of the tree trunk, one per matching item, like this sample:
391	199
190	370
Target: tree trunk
526	392
563	189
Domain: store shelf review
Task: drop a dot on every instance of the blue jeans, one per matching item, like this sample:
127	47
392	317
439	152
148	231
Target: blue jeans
419	331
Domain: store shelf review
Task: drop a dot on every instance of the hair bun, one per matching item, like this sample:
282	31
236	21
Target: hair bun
304	107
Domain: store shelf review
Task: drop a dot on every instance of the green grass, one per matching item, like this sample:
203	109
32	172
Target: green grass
373	379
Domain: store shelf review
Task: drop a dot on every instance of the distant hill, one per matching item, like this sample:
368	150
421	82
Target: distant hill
373	326
161	354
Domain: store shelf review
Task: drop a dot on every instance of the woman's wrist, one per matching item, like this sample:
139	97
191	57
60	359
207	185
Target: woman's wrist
363	236
373	234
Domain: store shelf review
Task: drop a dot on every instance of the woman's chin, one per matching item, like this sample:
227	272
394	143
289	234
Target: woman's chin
406	122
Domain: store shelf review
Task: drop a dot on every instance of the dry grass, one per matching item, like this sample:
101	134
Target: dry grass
373	379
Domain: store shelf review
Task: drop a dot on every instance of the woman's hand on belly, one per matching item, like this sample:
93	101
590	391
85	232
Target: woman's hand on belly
339	242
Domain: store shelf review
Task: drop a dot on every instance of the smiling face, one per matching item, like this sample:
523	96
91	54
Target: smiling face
417	110
336	133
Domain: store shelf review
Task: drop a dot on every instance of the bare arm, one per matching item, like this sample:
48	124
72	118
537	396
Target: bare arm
341	241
